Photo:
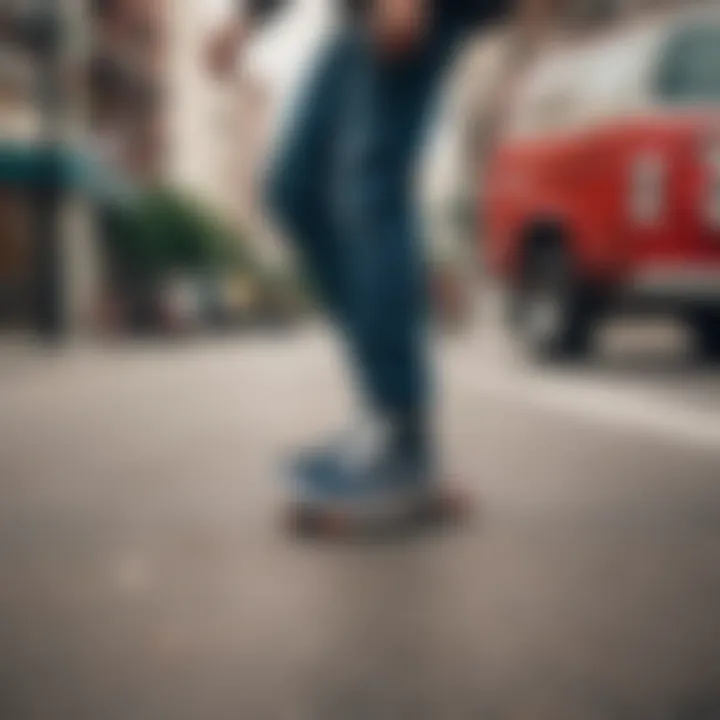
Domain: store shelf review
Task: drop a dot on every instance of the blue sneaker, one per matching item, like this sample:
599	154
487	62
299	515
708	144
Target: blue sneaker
324	456
373	473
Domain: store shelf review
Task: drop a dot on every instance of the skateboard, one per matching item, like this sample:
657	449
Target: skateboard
448	506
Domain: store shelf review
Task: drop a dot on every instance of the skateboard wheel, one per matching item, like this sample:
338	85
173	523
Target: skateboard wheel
449	506
312	523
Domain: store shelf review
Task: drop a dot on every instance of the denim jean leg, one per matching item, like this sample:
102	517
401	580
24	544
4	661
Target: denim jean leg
298	187
386	116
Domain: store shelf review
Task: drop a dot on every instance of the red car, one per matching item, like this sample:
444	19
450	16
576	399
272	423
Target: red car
605	189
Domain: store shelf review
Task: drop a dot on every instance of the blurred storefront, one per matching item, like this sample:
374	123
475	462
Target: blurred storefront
50	180
81	185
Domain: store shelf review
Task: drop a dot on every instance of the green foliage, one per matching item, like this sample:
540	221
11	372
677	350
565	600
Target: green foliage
165	231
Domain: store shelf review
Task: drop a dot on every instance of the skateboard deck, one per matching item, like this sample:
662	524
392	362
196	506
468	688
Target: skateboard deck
448	506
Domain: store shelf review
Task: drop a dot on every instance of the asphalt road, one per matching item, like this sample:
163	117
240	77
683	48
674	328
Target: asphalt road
144	575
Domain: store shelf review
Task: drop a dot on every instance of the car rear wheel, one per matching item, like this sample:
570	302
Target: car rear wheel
705	327
554	312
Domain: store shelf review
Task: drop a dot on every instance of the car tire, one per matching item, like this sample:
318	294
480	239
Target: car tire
554	311
705	328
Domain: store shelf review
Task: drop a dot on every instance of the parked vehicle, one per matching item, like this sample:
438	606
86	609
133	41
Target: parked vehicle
604	192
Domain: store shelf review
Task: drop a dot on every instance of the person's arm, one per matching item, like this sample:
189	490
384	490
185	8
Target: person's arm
532	23
397	26
227	41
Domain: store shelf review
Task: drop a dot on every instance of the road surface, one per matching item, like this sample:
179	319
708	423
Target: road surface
143	574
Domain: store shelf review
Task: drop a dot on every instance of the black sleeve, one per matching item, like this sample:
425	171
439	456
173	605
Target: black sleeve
261	10
474	13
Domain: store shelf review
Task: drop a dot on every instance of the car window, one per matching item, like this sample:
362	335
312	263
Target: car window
689	70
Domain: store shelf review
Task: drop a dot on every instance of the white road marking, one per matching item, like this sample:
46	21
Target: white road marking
617	407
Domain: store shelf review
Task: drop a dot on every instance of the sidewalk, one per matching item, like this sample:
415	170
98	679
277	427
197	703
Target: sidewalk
144	573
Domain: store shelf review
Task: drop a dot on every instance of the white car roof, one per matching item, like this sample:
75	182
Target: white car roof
579	83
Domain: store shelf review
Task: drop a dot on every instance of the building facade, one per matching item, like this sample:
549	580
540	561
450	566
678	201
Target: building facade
127	78
19	121
43	220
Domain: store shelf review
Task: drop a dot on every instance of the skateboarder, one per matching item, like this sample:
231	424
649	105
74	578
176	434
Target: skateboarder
341	186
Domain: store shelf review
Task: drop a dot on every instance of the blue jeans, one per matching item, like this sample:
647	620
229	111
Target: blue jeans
341	186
